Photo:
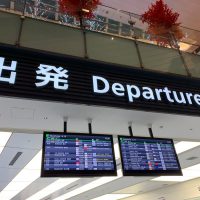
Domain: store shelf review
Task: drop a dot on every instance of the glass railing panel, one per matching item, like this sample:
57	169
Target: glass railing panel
5	4
161	59
41	9
113	26
191	36
107	19
193	63
53	37
19	5
66	19
138	33
105	47
111	49
10	24
125	30
97	24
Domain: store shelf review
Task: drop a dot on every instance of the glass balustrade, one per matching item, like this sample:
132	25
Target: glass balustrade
113	36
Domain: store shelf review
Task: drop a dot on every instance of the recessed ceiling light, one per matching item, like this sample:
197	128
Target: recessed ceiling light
192	158
113	196
24	178
60	183
161	198
184	146
188	174
4	137
1	149
85	10
94	184
117	152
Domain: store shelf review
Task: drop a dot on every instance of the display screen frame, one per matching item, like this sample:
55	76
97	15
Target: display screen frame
77	173
150	172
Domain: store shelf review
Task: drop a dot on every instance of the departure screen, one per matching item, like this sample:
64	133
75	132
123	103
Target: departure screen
75	154
148	156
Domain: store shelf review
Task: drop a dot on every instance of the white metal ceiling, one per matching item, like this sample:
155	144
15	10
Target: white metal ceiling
49	116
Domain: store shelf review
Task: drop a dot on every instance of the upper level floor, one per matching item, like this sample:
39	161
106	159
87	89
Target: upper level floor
119	39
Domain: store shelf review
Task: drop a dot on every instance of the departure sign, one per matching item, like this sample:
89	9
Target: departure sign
75	154
148	156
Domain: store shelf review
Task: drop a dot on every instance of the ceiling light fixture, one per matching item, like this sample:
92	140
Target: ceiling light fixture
117	152
60	183
113	196
185	145
1	149
188	174
4	137
85	10
94	184
24	178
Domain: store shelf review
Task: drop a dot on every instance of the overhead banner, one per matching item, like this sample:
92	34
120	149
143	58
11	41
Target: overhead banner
44	76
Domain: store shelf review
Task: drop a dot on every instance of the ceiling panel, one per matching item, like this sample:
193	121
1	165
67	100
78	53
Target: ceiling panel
28	145
8	154
181	191
189	158
25	141
143	187
110	187
49	116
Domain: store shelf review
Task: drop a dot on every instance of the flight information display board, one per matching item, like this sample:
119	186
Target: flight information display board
148	156
77	154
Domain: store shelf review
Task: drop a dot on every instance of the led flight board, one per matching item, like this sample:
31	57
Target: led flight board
77	154
143	156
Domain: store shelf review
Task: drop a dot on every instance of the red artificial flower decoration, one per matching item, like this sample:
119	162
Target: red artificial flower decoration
162	23
79	8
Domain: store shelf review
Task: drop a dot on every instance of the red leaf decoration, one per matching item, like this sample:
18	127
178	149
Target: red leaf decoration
75	7
162	21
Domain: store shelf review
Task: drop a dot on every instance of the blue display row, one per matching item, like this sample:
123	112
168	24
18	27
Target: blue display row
65	154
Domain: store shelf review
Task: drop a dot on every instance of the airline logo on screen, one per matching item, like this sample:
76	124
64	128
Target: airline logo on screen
135	92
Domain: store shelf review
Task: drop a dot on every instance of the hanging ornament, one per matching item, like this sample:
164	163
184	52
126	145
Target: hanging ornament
79	8
162	24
